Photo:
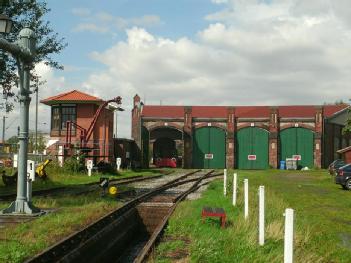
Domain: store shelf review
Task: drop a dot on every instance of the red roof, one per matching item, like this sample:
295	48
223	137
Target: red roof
71	96
330	110
163	111
252	111
209	112
297	111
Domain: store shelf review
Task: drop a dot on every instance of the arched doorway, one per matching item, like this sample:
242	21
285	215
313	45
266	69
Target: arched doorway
297	142
252	148
209	149
167	146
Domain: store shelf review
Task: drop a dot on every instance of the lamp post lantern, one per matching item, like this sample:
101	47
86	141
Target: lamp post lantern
23	51
5	24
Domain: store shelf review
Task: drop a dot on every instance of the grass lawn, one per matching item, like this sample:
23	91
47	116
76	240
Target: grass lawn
322	221
57	178
73	213
27	239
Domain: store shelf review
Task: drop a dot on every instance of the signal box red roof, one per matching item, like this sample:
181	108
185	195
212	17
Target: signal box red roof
73	96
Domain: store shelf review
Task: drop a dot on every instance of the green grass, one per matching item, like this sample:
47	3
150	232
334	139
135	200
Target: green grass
73	213
27	239
322	221
57	178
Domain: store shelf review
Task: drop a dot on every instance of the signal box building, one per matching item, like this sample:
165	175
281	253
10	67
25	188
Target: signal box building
81	109
242	137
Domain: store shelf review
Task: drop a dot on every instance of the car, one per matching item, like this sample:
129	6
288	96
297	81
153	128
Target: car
335	165
343	176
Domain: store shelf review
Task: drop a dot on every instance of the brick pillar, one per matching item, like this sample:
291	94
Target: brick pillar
136	120
273	137
136	128
151	152
230	137
187	137
318	137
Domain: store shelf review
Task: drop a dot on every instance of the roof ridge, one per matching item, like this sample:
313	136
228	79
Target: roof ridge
70	95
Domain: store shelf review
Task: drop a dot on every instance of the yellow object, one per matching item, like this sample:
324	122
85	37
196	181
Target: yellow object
40	170
112	190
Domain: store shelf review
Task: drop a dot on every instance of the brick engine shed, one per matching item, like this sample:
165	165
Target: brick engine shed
80	108
242	137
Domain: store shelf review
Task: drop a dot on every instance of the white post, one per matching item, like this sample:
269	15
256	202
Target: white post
234	188
89	166
289	235
60	155
15	160
261	216
246	197
225	182
118	163
30	178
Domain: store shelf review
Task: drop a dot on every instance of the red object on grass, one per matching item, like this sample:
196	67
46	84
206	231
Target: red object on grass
166	162
214	212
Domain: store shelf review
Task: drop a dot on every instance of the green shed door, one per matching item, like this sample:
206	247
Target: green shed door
297	141
252	148
145	147
209	149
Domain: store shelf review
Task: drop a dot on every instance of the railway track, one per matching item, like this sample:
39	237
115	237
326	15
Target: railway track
84	188
127	233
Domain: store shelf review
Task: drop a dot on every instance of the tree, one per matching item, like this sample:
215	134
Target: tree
27	13
41	142
347	129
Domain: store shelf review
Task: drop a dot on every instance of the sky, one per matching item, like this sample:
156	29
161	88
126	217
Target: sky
199	52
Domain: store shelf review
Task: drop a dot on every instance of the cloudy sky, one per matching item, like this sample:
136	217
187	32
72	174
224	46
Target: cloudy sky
201	52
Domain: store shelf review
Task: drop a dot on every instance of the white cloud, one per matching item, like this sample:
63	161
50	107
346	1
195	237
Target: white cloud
252	53
90	27
53	85
219	1
83	12
103	22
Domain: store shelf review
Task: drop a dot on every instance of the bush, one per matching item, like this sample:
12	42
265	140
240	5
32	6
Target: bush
74	165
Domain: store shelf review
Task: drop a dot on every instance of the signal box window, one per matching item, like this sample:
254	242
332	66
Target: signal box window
60	114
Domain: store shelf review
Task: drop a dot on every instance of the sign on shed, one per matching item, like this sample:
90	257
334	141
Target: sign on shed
297	157
209	156
251	157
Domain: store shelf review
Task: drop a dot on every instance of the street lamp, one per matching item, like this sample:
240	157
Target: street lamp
23	51
5	24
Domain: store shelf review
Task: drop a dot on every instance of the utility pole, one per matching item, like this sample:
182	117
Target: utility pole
36	123
3	131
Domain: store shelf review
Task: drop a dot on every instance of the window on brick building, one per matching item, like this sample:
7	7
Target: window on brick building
68	113
60	114
55	118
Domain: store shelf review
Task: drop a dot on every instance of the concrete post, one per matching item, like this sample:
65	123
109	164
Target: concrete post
225	182
246	198
234	188
261	216
289	235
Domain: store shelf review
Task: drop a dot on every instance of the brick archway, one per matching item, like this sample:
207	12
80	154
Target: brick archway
300	125
205	124
161	125
247	125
